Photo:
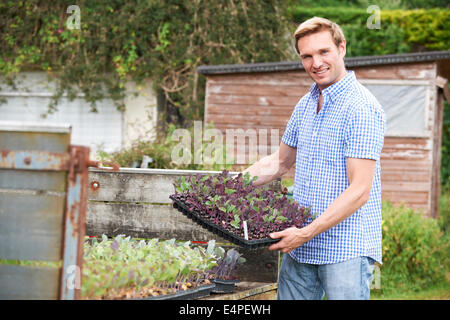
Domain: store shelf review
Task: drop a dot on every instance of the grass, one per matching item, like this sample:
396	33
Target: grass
434	293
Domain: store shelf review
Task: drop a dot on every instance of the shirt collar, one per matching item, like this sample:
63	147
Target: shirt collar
335	89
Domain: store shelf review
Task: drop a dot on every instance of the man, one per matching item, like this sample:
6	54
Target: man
334	137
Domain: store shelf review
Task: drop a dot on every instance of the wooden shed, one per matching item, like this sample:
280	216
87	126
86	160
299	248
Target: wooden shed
261	97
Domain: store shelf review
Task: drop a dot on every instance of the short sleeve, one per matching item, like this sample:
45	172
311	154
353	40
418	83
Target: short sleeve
290	136
364	133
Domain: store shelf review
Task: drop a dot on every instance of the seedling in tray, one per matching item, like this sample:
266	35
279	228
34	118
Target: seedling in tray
228	202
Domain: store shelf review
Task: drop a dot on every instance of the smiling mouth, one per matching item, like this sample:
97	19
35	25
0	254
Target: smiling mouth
321	71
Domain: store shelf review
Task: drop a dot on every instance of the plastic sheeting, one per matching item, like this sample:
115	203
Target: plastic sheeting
405	108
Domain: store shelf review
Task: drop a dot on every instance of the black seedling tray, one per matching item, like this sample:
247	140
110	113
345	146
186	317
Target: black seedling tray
224	286
199	292
220	231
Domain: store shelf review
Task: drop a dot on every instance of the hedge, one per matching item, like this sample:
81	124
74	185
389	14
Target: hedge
401	30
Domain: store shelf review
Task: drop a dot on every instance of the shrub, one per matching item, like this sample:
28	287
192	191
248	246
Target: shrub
415	250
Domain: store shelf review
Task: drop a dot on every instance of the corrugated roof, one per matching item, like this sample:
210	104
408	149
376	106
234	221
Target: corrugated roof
349	62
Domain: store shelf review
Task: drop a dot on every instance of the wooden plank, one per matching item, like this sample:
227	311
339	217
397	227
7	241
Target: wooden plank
31	226
437	153
33	180
258	89
289	78
405	165
406	196
142	221
224	126
421	176
26	283
263	100
131	187
138	186
230	109
411	71
246	122
246	290
404	154
407	143
409	186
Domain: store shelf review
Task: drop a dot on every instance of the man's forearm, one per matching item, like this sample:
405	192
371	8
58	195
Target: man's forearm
266	169
348	202
344	206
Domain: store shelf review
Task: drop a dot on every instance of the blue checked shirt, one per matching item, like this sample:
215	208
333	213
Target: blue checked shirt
351	123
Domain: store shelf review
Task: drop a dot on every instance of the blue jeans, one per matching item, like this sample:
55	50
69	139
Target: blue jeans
347	280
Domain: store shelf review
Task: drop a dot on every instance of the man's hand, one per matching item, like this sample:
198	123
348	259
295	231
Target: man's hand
291	238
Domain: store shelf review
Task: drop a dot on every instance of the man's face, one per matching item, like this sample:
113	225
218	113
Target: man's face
322	60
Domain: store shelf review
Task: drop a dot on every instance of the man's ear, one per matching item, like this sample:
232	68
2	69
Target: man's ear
343	47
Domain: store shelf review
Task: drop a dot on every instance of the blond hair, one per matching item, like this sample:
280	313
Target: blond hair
315	25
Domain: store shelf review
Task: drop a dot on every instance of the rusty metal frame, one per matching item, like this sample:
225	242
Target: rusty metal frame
75	220
74	223
34	160
75	163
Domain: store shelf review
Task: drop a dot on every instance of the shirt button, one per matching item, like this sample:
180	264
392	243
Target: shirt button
314	133
310	158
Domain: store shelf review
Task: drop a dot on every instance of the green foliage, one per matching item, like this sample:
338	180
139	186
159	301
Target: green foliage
383	4
404	4
445	151
444	210
401	30
136	40
415	250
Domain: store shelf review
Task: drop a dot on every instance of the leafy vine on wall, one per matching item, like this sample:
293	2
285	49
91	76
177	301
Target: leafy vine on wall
118	41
